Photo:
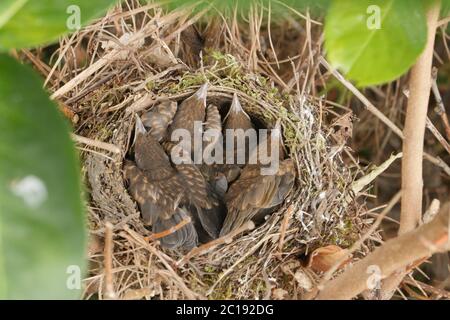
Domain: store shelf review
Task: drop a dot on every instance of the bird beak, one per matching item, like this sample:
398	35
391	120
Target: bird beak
277	128
202	93
236	107
139	128
236	104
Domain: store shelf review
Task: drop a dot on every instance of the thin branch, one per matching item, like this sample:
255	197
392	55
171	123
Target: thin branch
169	231
371	108
440	103
430	126
216	242
358	243
415	123
443	22
108	252
414	131
97	144
394	255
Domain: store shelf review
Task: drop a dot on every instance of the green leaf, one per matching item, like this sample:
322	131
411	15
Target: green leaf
28	23
445	8
42	235
279	8
368	54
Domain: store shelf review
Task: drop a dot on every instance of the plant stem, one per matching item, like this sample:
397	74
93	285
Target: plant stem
414	131
416	114
393	257
401	252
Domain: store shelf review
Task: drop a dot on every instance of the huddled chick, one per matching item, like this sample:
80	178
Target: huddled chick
217	197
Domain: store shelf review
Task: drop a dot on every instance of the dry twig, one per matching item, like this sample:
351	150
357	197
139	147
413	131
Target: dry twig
97	144
249	225
171	230
440	103
394	255
108	252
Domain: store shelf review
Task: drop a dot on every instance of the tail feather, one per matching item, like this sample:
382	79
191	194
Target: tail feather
209	221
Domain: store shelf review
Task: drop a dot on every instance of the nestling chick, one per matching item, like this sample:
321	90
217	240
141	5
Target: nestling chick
190	116
237	128
213	151
238	122
263	193
158	189
203	202
158	119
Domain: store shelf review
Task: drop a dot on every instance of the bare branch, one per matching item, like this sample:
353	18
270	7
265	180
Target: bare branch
394	255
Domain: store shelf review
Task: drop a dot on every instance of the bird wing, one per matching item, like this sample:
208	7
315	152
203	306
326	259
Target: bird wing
247	195
195	185
202	199
159	118
155	199
253	193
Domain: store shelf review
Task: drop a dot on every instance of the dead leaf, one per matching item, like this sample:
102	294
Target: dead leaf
138	294
322	259
344	128
303	280
279	294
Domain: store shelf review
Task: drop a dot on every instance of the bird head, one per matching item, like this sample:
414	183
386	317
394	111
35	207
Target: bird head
148	153
202	93
236	108
139	129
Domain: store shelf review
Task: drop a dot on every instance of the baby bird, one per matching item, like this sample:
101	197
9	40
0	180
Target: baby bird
158	190
153	214
190	116
204	203
236	123
263	193
158	119
212	143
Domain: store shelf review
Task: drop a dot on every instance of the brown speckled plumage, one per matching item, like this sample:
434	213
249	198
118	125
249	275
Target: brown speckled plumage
190	111
158	119
254	194
158	189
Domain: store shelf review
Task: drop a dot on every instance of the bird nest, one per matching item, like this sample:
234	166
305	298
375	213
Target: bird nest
320	210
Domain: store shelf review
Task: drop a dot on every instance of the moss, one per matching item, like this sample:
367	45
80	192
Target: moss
225	71
151	85
209	269
223	292
344	235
